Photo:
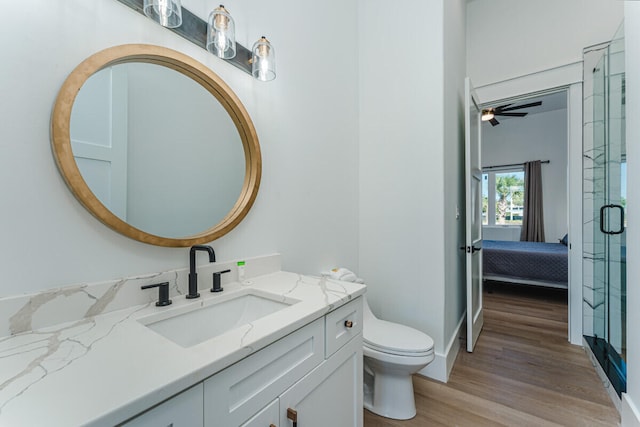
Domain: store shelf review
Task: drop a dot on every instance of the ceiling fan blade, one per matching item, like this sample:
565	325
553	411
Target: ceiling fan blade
494	122
501	107
510	114
517	107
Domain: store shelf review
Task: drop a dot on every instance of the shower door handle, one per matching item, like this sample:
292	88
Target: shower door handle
602	211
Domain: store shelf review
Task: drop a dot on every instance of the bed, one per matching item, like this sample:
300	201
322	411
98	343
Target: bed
529	263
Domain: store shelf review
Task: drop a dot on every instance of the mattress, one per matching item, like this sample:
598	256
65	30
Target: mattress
535	262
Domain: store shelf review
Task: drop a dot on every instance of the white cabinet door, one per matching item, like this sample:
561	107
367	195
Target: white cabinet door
235	394
182	410
331	394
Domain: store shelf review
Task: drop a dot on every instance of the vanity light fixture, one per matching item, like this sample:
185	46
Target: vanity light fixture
216	35
487	115
221	35
263	60
167	13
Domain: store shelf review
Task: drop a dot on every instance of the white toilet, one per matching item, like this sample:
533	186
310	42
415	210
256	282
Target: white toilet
392	354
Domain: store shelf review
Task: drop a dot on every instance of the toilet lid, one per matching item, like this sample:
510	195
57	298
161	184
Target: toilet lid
393	338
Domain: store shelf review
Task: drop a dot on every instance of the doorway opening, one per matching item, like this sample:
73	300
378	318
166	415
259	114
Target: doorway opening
527	128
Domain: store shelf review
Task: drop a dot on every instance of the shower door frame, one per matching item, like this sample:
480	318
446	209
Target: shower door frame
604	290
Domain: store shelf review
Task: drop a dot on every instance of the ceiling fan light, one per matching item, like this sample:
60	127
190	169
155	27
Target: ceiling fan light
487	115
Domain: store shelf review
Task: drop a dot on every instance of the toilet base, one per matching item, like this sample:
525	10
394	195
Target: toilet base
390	396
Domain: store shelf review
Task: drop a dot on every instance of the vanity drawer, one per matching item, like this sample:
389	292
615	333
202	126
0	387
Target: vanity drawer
342	324
240	391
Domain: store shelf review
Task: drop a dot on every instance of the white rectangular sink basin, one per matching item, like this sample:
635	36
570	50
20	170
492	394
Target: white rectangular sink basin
193	324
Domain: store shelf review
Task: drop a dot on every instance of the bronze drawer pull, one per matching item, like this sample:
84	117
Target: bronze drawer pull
292	414
348	323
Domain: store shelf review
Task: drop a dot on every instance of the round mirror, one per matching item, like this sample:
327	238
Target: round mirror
156	145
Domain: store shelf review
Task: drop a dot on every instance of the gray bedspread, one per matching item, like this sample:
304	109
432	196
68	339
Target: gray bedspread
534	261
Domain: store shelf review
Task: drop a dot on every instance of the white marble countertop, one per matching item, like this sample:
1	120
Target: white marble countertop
105	369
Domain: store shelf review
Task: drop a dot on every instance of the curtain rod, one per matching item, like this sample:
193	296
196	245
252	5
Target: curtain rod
513	164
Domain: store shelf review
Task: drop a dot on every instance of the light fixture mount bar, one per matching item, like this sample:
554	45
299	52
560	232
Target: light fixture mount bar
194	29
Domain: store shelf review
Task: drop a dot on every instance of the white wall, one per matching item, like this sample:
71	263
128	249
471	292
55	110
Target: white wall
507	38
401	164
410	162
541	136
306	121
631	401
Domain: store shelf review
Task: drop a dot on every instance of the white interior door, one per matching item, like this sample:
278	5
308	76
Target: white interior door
99	137
473	240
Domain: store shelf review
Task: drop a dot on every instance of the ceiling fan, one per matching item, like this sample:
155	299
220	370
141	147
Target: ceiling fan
488	114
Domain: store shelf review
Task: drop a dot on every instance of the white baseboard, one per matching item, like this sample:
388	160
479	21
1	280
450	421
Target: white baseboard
442	364
630	414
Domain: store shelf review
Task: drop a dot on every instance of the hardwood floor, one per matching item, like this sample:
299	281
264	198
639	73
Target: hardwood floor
523	372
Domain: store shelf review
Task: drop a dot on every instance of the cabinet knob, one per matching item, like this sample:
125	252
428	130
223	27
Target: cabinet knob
272	425
348	323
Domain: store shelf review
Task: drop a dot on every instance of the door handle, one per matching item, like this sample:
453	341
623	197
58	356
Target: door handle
474	249
470	249
602	212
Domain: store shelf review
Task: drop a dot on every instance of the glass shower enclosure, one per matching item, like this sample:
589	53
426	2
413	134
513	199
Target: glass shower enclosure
604	208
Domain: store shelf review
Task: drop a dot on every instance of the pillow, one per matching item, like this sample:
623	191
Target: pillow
565	240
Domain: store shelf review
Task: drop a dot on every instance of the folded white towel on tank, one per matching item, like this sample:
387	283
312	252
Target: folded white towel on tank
343	274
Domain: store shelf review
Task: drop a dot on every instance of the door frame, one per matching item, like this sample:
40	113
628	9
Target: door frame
569	79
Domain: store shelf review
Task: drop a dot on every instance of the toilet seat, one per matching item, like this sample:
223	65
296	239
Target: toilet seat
399	353
392	338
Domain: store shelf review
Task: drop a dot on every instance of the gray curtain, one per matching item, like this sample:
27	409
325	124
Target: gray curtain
532	216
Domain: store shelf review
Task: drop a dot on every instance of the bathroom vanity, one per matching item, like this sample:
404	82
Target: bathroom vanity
272	349
292	349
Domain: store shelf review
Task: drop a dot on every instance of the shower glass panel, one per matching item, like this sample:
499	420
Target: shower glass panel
604	208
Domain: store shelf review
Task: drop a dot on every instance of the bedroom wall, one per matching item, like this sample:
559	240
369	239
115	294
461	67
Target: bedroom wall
533	35
306	120
541	136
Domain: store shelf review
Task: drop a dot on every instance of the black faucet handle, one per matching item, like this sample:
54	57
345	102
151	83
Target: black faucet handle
163	293
216	281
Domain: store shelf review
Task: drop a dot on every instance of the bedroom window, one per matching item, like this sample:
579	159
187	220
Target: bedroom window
505	189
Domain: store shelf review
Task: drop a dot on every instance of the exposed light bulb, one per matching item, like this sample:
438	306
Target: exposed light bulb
221	42
221	39
167	13
163	8
263	60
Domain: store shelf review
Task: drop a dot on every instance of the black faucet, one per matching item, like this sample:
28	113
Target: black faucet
193	276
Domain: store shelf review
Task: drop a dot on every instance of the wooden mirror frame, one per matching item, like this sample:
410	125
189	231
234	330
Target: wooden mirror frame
63	154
